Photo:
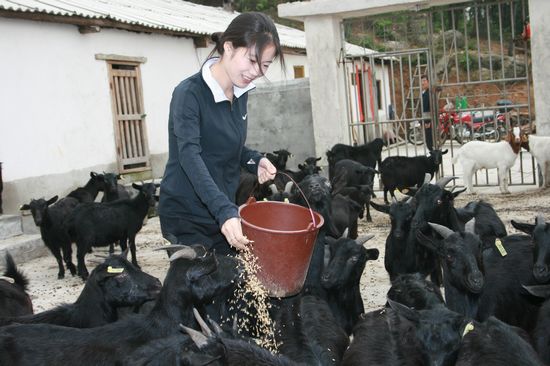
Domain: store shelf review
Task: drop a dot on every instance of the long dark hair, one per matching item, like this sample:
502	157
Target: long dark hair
252	29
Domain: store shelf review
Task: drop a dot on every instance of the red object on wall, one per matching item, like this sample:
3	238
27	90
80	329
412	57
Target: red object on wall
359	86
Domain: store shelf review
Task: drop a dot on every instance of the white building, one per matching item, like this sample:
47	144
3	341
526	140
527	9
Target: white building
86	86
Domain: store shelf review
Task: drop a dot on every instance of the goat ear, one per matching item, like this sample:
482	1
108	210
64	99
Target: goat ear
339	182
25	207
404	311
52	200
456	193
372	254
444	151
432	244
521	226
136	186
319	158
542	291
381	208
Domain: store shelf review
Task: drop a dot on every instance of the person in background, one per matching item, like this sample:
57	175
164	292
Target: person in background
426	116
526	34
207	129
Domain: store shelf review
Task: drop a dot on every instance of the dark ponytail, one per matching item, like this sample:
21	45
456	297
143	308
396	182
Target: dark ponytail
252	29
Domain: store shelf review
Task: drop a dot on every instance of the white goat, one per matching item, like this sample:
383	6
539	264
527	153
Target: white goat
502	155
539	147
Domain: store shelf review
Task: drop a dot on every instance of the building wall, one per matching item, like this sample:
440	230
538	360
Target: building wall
280	118
539	17
56	123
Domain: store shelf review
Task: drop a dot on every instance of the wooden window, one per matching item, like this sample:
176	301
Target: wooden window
299	72
128	116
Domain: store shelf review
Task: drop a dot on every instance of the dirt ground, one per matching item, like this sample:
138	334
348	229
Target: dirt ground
47	291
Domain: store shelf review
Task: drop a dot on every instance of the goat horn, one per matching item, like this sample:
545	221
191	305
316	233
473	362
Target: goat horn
470	226
9	279
409	201
539	220
198	338
204	327
288	186
444	231
172	246
187	253
273	188
443	181
345	233
217	329
364	238
427	178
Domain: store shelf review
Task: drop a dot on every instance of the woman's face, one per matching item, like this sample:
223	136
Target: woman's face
241	65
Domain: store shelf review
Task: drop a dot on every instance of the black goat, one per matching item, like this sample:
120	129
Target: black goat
51	220
495	343
488	225
540	234
279	158
89	192
100	224
400	172
490	285
250	187
14	300
414	291
194	277
402	336
113	191
541	337
112	284
219	349
401	251
342	275
368	154
345	214
307	330
461	258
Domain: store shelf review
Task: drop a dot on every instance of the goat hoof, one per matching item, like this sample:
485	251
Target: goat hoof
60	276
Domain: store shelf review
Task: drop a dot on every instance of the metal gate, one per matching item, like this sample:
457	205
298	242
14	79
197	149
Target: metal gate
128	117
478	67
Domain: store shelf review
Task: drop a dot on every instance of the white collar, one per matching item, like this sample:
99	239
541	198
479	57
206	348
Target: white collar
215	88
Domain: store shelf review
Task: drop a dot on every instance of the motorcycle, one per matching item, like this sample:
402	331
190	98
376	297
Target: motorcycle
462	126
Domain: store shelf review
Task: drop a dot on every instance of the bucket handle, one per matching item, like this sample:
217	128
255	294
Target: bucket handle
305	199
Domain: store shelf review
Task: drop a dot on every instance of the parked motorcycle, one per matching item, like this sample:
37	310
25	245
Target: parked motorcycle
462	126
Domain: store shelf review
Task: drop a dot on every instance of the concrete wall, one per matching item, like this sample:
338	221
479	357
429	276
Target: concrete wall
280	117
539	16
56	123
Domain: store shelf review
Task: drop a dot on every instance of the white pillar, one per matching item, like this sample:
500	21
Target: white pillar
539	16
323	46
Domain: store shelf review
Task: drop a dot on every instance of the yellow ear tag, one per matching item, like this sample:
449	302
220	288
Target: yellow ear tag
500	247
467	329
286	200
115	269
265	199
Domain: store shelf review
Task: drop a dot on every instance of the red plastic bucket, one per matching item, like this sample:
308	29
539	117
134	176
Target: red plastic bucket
284	236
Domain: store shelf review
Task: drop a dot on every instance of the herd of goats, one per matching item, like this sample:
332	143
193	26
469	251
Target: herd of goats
493	311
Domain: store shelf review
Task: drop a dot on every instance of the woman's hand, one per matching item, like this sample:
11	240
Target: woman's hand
233	232
266	170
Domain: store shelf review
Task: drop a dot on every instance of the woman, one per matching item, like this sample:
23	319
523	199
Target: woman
207	131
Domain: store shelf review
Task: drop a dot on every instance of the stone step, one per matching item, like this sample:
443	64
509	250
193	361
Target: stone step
22	248
10	226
